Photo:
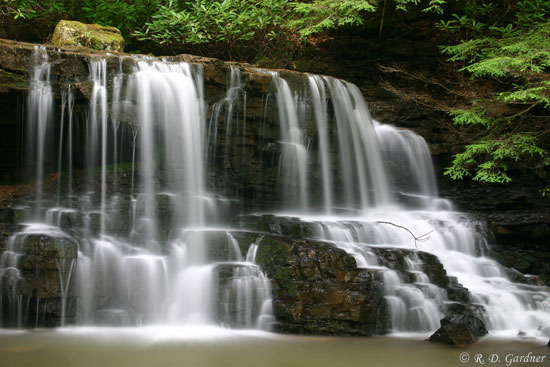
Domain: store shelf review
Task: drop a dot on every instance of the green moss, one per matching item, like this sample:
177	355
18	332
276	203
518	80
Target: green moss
294	230
21	215
272	252
273	256
12	81
283	277
97	37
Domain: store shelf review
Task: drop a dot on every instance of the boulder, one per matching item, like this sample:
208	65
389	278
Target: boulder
72	33
459	330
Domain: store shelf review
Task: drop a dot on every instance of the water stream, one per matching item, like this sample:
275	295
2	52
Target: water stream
154	237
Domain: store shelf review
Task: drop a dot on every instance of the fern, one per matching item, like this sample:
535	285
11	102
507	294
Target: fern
529	94
324	15
474	116
512	54
487	160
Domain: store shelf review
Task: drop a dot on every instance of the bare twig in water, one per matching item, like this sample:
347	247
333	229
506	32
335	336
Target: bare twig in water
422	238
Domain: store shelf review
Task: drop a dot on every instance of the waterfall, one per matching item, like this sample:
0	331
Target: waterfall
39	129
364	178
318	98
140	230
98	122
293	163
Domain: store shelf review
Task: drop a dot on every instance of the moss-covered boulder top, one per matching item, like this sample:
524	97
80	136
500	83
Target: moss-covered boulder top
97	37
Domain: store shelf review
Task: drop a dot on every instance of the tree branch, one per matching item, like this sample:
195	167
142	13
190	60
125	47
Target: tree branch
421	238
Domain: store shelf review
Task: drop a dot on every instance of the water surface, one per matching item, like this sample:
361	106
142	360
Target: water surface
196	347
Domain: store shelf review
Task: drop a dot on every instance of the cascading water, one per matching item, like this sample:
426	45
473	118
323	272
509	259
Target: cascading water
147	240
144	255
318	98
389	216
39	130
363	176
293	163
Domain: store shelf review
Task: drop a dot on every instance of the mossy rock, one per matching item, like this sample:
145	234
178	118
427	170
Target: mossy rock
97	37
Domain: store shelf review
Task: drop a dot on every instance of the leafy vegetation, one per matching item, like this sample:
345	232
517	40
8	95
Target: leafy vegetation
490	156
222	26
123	14
225	24
324	15
510	44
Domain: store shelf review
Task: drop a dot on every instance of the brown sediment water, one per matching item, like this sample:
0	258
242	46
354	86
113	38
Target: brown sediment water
164	346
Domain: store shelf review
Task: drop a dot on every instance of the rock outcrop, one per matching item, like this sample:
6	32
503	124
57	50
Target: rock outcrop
95	36
459	330
239	163
38	272
317	289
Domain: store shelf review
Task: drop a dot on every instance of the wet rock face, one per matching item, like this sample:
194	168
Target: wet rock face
39	271
317	289
253	146
396	259
459	330
516	213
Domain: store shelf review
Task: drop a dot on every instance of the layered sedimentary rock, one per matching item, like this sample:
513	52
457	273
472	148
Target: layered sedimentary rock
36	275
140	210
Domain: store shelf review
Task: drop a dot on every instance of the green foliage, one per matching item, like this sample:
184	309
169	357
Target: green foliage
30	9
531	11
513	53
475	18
435	6
510	44
474	116
324	15
529	94
488	159
320	16
206	22
402	4
127	16
224	23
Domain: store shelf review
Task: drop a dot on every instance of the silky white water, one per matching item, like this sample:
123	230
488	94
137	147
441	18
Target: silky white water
155	246
165	267
391	194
